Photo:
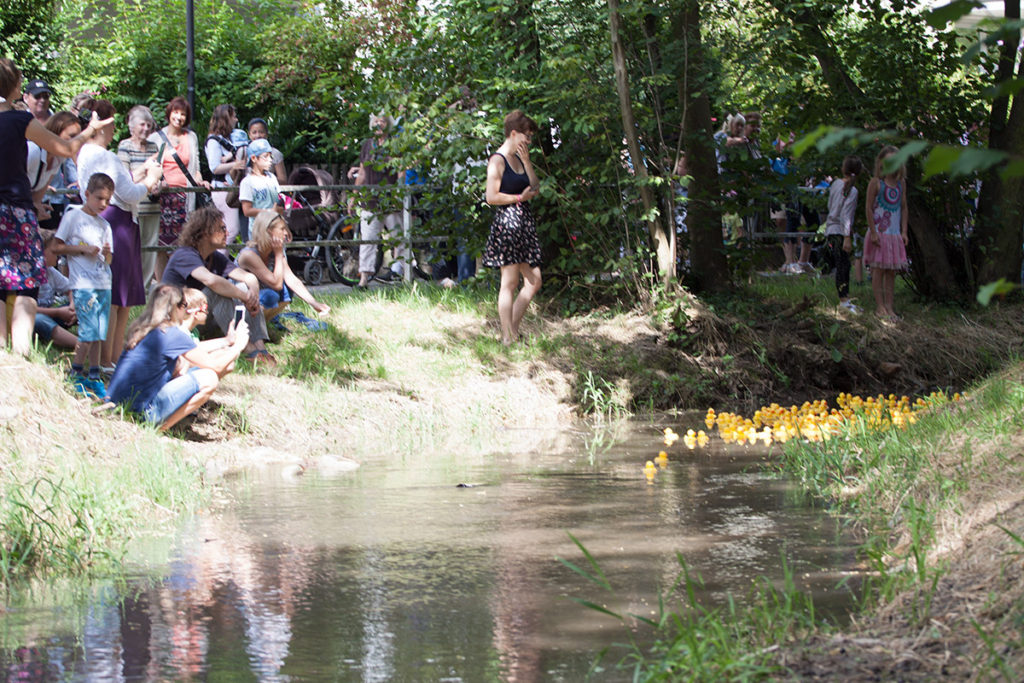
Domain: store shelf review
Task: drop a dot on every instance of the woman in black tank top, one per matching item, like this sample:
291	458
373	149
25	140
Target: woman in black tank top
513	245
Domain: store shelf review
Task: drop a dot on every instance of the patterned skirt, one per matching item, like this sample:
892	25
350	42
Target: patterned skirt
21	250
513	238
173	212
888	254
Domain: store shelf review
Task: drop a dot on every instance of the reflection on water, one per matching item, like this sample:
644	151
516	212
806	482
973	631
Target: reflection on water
393	573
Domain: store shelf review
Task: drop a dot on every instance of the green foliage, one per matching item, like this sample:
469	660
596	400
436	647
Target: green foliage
28	35
599	398
449	74
270	58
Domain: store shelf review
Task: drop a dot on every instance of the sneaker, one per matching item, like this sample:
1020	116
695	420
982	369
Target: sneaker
80	385
99	389
850	306
84	386
388	276
791	269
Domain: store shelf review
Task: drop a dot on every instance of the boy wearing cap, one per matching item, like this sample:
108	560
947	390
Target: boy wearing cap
37	97
259	190
257	128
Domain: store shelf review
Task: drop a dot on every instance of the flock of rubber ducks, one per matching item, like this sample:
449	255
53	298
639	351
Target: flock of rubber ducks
813	421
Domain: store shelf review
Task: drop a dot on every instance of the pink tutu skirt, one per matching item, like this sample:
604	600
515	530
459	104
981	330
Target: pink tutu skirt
889	253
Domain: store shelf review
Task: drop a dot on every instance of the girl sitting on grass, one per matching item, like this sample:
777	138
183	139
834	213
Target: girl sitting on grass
264	257
163	373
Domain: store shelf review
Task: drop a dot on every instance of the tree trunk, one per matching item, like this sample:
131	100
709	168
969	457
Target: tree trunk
704	214
935	276
659	237
996	251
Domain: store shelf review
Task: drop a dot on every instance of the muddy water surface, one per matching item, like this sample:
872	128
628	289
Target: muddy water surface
395	573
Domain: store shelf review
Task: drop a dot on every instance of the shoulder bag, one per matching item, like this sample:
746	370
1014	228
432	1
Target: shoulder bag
202	198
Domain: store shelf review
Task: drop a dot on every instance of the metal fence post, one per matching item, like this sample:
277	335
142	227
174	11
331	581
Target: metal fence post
407	229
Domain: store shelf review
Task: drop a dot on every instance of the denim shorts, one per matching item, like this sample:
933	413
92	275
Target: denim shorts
92	306
45	325
271	299
171	396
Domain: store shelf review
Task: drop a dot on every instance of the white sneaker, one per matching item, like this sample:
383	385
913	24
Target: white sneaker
850	306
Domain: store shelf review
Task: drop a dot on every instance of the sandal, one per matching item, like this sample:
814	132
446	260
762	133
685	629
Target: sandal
261	357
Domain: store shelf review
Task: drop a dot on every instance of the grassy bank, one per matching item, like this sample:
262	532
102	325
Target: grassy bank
940	501
74	487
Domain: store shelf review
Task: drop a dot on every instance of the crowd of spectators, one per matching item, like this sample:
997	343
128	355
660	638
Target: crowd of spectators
75	284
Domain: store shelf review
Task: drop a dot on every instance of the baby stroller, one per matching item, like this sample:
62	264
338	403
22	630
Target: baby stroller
315	217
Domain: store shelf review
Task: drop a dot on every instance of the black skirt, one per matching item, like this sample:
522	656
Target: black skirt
513	237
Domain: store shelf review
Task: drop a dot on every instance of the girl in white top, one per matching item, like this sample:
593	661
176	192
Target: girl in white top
842	206
222	157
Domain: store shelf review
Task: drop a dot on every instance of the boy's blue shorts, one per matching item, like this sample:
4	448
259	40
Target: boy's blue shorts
92	306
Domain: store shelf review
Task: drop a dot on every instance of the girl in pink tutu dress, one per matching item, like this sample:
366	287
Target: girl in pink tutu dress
885	249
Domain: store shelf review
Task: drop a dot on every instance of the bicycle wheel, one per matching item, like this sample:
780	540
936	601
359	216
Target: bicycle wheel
313	273
342	260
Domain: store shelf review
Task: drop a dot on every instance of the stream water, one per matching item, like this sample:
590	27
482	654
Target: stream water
395	573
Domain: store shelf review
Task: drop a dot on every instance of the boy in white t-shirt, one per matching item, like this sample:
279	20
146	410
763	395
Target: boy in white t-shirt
85	237
259	190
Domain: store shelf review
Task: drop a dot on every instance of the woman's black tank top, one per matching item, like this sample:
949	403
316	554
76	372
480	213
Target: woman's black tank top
512	182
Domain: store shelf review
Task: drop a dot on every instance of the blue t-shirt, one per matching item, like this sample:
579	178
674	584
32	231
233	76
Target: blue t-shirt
141	372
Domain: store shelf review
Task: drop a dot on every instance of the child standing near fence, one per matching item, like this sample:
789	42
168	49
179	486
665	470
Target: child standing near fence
259	190
842	205
86	238
885	246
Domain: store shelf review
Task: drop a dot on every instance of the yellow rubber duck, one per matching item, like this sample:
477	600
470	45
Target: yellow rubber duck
650	470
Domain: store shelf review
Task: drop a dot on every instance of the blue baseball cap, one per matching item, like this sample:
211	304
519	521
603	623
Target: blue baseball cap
258	147
239	138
